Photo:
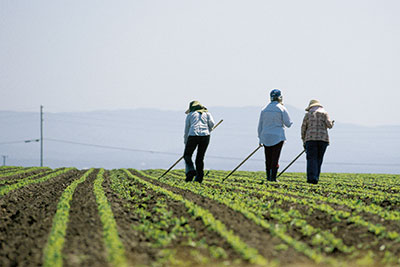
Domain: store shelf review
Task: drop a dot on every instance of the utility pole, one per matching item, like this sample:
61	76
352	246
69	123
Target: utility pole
41	136
4	159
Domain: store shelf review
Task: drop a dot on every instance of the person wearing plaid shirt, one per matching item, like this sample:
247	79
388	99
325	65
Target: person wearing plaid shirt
314	133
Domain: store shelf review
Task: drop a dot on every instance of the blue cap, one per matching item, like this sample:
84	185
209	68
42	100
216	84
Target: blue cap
275	94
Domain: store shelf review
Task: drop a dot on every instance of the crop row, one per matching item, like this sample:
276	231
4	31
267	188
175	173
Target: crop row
154	226
21	171
352	190
317	221
30	176
354	205
255	199
316	202
320	202
367	183
115	248
5	169
160	223
277	229
323	193
32	180
380	190
52	255
209	220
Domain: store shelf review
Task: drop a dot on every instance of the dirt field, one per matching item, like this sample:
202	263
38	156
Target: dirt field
171	223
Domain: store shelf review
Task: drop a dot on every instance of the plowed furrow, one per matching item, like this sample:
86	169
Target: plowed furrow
84	238
251	233
26	218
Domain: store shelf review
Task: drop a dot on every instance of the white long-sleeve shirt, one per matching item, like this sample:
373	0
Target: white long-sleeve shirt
198	124
273	118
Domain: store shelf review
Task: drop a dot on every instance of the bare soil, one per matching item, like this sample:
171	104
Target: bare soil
26	216
84	239
14	178
26	219
139	247
251	233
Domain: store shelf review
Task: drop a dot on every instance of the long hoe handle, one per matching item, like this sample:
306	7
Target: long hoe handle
170	168
290	164
241	163
216	125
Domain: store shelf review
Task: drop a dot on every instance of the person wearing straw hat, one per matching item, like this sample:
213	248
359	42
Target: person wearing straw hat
314	133
198	126
271	134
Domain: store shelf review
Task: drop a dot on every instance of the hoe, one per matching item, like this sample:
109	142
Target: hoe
173	165
241	163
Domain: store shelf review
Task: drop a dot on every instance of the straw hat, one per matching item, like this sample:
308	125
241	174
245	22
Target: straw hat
195	106
313	103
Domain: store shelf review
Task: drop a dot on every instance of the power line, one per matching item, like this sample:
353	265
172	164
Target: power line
13	142
128	124
131	125
210	156
113	118
109	118
179	154
108	147
128	149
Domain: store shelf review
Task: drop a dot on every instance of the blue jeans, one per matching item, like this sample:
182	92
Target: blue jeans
315	154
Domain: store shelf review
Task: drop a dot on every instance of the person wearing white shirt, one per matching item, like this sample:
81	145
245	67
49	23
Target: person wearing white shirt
198	126
271	133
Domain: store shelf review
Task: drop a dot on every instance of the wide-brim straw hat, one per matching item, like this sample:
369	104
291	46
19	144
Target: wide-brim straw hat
191	104
313	103
195	105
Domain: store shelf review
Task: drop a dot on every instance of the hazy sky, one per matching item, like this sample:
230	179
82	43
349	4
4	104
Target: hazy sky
89	55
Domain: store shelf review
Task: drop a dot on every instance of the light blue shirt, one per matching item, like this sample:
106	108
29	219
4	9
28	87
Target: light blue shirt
273	118
198	124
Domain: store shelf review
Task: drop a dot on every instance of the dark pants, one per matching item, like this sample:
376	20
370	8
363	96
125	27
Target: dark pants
201	142
315	154
272	154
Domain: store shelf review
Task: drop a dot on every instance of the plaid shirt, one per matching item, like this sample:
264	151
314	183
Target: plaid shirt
315	126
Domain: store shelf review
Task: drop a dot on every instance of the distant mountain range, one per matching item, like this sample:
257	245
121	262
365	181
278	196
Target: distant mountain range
151	138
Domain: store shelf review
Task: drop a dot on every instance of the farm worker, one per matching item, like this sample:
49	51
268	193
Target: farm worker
315	138
271	134
198	125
